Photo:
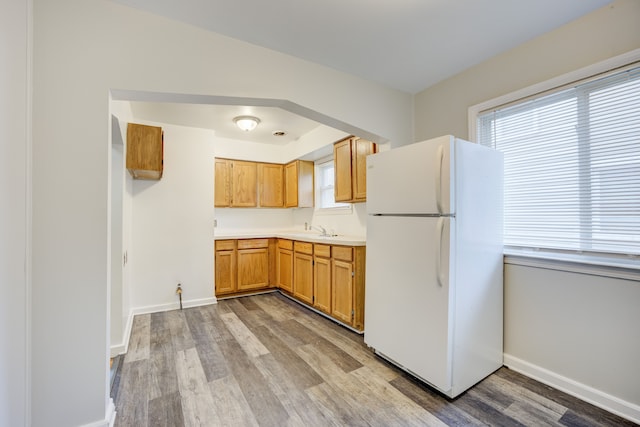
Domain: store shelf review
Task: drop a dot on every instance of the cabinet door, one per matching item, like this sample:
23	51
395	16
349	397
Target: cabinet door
222	191
253	268
244	184
285	269
145	145
225	266
291	185
342	164
298	184
271	179
342	301
306	192
303	277
361	148
322	284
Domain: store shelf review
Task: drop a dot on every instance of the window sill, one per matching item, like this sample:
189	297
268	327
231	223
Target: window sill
597	265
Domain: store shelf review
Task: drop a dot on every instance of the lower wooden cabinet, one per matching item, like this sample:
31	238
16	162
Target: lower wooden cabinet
322	278
253	264
284	265
342	295
225	266
303	271
243	265
329	278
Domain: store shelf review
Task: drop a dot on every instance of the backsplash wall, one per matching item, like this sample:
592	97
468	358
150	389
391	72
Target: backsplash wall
353	223
253	219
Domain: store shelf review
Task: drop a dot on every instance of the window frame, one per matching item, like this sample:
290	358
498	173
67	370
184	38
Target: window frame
339	208
561	259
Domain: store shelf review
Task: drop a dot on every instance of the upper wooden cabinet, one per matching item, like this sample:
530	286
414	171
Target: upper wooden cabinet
222	191
271	185
244	184
342	168
144	151
298	187
350	163
236	183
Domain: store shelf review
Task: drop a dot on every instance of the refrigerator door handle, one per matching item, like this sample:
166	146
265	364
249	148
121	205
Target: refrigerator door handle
439	159
439	252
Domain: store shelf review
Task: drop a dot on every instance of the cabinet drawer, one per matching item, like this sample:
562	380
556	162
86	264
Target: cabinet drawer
343	253
225	245
322	250
285	244
253	243
303	247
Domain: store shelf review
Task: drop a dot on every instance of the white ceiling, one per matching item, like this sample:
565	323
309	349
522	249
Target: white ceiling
405	44
408	45
220	119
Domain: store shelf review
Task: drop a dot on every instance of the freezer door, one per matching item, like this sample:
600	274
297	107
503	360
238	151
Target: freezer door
413	179
407	301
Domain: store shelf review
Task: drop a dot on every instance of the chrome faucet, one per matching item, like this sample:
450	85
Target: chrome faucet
321	229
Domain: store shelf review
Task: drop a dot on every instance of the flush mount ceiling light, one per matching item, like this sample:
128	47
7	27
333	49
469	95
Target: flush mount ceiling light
246	123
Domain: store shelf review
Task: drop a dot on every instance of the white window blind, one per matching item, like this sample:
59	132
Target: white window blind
572	166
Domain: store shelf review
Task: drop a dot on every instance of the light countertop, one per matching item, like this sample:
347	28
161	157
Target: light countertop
306	236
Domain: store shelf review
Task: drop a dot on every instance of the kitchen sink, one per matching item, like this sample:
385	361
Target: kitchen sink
311	235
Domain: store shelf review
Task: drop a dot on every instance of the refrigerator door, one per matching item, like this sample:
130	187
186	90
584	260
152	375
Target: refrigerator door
413	179
408	312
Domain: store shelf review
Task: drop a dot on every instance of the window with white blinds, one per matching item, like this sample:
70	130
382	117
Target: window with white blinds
572	166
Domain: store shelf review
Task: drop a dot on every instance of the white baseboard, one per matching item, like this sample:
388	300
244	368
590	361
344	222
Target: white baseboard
121	348
591	395
109	419
173	306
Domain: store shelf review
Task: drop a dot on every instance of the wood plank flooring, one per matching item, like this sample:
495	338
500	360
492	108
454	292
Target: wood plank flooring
265	360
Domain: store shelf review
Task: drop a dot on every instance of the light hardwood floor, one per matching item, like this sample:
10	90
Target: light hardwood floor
264	360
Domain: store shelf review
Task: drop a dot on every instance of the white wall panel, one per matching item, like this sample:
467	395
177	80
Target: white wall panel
82	49
14	216
172	229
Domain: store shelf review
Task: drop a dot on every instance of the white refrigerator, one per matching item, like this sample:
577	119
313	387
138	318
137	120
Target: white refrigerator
434	292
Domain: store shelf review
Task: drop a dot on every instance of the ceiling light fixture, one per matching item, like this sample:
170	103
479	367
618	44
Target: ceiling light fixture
246	123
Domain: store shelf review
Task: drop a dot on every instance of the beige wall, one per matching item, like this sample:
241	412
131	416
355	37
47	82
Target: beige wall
607	32
575	331
562	326
14	234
